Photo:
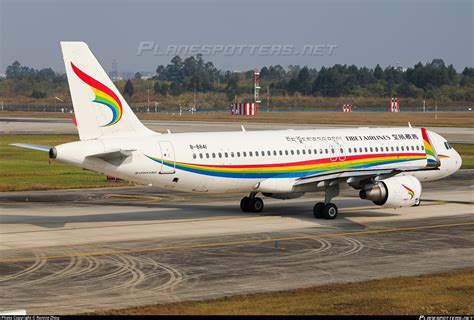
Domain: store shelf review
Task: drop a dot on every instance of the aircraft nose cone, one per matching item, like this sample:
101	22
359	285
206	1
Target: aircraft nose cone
458	160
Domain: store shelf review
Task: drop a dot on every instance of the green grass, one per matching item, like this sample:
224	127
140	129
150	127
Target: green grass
467	154
24	169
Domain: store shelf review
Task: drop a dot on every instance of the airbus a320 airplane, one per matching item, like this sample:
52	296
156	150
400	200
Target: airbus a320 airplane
385	164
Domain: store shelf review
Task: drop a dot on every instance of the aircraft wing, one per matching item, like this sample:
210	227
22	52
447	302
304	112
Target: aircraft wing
38	147
353	176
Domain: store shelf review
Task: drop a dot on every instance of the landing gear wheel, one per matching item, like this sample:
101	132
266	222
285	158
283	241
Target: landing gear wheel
318	210
245	204
330	211
256	205
417	203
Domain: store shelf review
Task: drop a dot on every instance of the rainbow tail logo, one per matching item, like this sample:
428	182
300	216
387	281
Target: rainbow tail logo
103	95
410	191
431	156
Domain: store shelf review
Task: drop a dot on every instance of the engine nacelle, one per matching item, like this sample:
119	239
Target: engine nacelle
395	192
284	196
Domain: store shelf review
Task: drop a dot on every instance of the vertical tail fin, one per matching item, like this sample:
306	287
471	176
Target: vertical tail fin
99	108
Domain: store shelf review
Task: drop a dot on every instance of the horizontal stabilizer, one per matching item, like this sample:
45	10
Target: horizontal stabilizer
38	147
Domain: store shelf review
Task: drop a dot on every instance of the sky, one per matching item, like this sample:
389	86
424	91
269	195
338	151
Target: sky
363	32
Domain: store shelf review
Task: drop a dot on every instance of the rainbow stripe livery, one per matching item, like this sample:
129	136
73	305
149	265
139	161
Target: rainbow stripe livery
411	193
103	95
291	169
431	156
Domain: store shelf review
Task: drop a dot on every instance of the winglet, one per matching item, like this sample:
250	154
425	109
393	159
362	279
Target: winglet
432	159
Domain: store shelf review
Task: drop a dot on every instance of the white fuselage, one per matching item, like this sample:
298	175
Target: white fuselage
220	162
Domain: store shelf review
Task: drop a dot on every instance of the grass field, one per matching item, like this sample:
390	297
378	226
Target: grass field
441	294
461	119
23	169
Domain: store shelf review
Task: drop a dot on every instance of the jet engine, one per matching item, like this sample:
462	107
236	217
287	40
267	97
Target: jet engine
395	192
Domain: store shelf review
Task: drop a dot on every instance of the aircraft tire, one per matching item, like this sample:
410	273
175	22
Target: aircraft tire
318	210
330	211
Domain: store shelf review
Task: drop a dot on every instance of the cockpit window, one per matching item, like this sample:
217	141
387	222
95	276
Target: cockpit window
447	145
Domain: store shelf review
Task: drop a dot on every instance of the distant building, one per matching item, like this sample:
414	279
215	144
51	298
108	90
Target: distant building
3	76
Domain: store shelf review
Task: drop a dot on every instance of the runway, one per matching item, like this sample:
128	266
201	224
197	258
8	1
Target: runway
76	251
65	126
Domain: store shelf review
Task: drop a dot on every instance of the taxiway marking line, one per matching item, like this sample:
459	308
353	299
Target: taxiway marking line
234	243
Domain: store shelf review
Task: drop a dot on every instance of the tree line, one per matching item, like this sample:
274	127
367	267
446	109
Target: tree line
431	80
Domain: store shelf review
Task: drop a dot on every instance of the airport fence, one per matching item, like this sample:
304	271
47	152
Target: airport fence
144	108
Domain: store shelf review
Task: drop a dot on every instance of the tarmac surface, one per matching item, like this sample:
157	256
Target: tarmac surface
74	251
65	126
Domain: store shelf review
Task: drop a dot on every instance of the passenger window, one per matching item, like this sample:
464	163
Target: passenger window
402	148
309	151
397	148
250	153
315	151
220	155
286	152
341	150
349	150
422	148
298	152
269	153
256	153
371	150
281	153
200	155
213	155
194	156
303	151
238	154
366	150
392	148
207	155
376	149
326	150
274	152
244	154
292	152
360	150
226	154
231	154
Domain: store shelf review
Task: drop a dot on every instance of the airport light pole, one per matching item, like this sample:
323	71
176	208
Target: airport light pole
56	98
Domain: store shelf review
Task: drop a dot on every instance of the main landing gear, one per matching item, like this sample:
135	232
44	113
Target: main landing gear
251	204
326	209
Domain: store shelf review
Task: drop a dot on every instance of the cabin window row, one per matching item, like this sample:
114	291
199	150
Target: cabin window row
269	153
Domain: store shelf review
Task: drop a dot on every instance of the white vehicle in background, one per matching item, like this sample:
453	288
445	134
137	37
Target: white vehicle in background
386	165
